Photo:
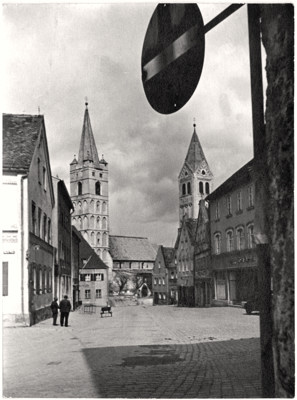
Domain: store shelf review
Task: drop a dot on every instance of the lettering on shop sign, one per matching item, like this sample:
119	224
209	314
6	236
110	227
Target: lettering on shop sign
9	238
9	252
243	260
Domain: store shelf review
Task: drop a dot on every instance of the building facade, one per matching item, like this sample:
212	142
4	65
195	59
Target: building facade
133	263
93	275
164	277
28	202
203	281
62	239
194	181
89	192
75	265
233	254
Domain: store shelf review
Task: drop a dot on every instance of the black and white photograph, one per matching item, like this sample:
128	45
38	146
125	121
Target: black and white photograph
148	200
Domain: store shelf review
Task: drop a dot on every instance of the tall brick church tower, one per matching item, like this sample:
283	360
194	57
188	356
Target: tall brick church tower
89	192
194	180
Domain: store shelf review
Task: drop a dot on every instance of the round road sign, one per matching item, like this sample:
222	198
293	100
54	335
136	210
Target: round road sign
172	56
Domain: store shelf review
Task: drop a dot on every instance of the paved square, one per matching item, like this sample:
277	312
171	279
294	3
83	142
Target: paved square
140	352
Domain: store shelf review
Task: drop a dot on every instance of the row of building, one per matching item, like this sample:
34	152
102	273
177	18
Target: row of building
55	243
214	261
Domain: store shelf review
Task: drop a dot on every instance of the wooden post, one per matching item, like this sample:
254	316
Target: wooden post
261	195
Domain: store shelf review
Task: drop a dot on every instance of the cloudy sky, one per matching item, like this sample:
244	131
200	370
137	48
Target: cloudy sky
56	55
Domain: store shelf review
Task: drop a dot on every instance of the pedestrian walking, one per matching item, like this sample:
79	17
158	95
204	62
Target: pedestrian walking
65	307
55	307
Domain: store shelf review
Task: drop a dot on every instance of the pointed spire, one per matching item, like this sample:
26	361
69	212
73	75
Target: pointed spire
87	148
195	153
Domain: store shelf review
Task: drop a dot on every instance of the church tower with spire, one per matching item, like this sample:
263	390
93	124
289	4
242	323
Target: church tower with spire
194	181
89	192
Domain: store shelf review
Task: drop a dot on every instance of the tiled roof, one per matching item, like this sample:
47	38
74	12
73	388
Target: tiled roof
87	148
168	253
88	253
131	248
20	134
195	153
191	225
241	176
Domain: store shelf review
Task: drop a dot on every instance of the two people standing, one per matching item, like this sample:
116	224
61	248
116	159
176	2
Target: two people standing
65	307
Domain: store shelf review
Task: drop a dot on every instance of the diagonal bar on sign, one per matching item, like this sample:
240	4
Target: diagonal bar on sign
175	50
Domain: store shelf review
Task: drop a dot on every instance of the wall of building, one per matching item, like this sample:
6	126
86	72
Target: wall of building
278	40
92	286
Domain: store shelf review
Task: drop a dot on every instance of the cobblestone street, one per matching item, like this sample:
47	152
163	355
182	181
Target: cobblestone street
139	352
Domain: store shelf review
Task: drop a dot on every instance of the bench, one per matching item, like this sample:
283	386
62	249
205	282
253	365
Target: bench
106	311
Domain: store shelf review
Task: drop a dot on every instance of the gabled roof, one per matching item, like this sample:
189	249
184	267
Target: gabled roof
87	253
195	153
87	148
168	254
191	225
128	248
20	135
240	177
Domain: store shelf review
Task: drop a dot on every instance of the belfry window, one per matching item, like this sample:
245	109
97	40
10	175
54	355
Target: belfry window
207	188
79	188
98	188
189	187
184	189
201	187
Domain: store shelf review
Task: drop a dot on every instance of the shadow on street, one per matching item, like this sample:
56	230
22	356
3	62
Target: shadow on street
217	369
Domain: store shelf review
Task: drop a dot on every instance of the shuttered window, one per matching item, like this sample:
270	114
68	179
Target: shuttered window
5	279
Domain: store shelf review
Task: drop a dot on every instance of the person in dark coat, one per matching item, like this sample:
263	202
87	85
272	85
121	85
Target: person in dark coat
55	307
65	307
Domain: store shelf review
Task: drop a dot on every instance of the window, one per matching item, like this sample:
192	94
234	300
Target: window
93	173
250	196
40	280
79	188
160	296
163	280
217	211
44	178
189	187
240	238
99	277
207	188
250	235
38	170
230	240
98	293
201	187
155	281
33	212
87	294
39	223
45	281
229	205
88	277
5	279
44	227
159	265
34	280
98	188
183	189
49	232
172	275
98	206
239	200
159	281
